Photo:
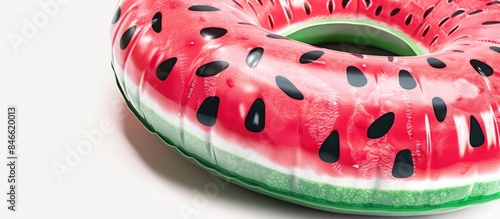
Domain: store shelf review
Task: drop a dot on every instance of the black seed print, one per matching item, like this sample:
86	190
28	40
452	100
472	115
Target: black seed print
210	33
434	40
449	1
476	137
493	3
156	22
491	22
237	3
202	8
458	51
390	58
344	3
361	56
440	109
428	11
307	8
244	23
476	12
255	120
275	36
164	68
368	3
116	16
408	19
355	77
426	30
395	11
458	12
406	80
212	68
288	13
481	67
495	48
461	37
253	9
329	151
443	21
207	113
403	165
435	63
454	29
126	37
260	2
288	88
378	10
254	56
271	21
311	56
330	6
381	126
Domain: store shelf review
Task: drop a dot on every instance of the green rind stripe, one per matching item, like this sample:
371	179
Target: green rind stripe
326	25
256	177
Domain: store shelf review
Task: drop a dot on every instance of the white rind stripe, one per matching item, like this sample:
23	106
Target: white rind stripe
219	143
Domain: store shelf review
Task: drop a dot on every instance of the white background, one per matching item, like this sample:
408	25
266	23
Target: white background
60	79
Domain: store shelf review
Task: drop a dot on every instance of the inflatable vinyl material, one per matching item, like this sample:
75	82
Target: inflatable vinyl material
238	87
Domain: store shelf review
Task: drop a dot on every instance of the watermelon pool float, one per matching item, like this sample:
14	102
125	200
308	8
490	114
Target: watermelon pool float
241	88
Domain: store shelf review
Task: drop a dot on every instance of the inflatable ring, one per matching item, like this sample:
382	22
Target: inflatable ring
236	87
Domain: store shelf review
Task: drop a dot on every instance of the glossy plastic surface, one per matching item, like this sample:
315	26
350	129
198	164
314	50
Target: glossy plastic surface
336	131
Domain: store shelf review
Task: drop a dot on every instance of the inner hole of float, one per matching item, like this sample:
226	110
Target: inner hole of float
356	37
